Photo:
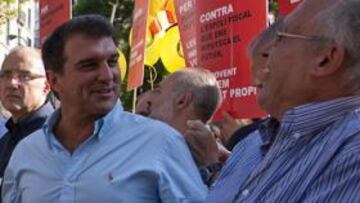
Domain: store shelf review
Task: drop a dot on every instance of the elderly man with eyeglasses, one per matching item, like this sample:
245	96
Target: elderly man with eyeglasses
23	92
311	85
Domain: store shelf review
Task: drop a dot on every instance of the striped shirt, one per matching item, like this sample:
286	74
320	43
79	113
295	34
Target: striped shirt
245	156
315	157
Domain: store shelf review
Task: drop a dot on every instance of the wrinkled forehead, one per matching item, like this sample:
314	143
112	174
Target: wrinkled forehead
168	81
307	17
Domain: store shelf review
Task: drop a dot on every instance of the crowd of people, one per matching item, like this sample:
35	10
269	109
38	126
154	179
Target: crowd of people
305	66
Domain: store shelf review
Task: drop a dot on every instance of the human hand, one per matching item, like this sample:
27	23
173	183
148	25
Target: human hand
203	145
228	125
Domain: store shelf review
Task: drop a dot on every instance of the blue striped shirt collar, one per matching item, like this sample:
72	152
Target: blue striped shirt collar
102	125
267	131
306	118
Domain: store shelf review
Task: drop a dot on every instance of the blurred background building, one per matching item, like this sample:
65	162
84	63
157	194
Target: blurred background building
19	25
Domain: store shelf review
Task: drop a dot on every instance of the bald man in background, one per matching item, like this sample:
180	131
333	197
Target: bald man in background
23	92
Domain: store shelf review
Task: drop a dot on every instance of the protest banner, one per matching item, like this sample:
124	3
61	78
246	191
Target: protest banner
52	14
138	44
215	35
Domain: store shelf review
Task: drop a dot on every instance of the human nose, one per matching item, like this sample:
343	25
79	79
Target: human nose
267	64
106	72
14	80
260	72
265	70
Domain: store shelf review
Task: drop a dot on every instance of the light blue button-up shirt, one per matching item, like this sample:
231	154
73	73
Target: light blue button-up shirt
129	159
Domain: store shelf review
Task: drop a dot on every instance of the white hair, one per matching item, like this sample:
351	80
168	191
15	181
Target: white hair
204	88
343	27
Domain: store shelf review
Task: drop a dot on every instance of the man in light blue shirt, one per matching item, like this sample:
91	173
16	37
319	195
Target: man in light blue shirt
90	150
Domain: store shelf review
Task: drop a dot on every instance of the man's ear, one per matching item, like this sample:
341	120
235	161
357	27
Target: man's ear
47	87
183	100
329	61
53	81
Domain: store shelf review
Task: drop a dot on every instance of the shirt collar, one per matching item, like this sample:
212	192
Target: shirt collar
111	119
309	117
267	130
102	125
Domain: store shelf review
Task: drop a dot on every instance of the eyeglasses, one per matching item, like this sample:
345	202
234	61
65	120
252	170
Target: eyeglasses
20	76
280	35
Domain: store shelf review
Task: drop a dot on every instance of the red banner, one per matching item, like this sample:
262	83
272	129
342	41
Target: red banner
136	67
215	35
286	6
52	14
187	15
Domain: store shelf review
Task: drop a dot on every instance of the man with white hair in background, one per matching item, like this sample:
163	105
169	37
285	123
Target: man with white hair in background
187	100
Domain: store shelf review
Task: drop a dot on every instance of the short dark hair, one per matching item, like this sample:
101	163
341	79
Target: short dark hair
94	26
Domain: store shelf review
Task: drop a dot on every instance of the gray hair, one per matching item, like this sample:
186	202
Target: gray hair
343	27
204	88
265	36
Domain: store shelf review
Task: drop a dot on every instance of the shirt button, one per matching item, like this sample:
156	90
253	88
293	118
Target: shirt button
296	135
245	193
